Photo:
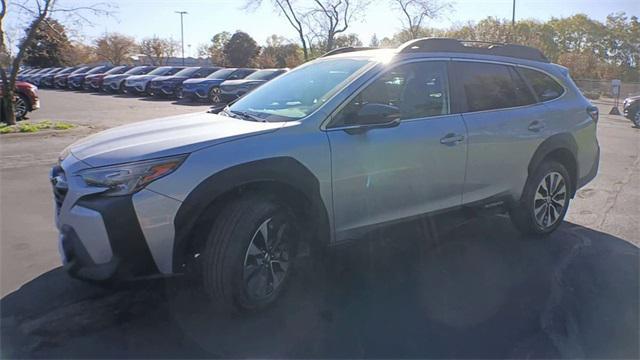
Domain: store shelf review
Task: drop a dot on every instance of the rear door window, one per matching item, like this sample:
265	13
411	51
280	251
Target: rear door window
543	85
491	86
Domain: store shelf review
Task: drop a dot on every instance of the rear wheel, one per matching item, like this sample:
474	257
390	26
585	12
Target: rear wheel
179	93
636	118
545	200
249	252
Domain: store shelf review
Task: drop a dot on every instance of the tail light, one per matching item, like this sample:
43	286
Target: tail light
593	112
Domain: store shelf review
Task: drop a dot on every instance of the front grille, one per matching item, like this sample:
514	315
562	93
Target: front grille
60	187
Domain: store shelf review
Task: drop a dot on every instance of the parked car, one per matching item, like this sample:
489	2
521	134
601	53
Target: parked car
139	84
94	81
325	153
631	109
28	77
37	79
26	99
47	81
172	85
23	73
231	90
209	87
115	83
76	81
60	81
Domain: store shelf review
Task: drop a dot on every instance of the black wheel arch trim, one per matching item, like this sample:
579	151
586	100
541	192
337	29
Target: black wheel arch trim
281	170
562	141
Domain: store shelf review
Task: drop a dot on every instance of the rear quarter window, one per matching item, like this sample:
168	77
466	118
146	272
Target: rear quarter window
545	87
492	86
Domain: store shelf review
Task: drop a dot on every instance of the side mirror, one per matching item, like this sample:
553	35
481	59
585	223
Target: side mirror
374	115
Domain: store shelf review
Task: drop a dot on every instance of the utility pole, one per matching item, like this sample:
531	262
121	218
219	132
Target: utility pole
513	22
182	13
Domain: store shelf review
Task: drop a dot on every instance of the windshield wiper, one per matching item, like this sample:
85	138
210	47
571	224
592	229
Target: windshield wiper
246	116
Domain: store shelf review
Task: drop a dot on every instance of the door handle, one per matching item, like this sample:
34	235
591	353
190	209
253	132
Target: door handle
536	126
451	139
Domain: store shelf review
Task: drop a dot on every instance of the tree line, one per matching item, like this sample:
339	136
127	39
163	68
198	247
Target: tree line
589	48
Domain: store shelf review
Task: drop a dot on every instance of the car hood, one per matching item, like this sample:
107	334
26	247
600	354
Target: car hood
632	98
243	82
164	137
203	81
142	77
116	77
170	78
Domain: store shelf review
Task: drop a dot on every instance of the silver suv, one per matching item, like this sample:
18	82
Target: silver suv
352	141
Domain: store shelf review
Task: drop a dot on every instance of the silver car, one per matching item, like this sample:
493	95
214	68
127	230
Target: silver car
355	140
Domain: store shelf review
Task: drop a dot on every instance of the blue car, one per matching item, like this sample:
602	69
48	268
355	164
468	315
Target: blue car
209	87
46	81
172	85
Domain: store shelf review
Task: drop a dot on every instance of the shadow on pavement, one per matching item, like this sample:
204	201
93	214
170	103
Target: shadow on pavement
479	290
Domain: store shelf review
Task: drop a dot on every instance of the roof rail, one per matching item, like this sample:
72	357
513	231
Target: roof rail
473	47
348	50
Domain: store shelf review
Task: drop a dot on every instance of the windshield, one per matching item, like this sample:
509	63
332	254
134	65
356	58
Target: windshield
262	75
161	70
298	93
188	71
115	70
221	74
81	70
138	70
97	70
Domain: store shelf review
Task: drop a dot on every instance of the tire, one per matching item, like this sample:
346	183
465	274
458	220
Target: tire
537	213
21	106
239	272
179	93
121	88
214	95
636	118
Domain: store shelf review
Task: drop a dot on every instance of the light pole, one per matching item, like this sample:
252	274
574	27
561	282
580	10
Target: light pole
513	23
182	13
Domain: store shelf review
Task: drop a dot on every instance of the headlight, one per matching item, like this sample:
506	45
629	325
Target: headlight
128	178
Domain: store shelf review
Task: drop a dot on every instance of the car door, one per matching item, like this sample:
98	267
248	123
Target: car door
505	126
381	175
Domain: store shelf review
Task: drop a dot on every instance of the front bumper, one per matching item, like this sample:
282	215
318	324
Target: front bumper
103	237
135	88
195	93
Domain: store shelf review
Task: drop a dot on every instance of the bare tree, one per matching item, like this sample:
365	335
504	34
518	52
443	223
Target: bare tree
414	12
158	50
115	48
330	18
39	11
294	15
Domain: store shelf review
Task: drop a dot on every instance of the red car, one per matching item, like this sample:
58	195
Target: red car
26	99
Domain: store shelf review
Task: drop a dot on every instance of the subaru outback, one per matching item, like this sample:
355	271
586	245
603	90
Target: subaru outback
350	142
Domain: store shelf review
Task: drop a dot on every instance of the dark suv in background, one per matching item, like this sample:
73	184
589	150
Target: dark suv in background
139	84
209	87
233	89
76	81
60	81
172	85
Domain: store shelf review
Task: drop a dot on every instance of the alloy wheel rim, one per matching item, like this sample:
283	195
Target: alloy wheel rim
215	95
20	107
550	200
266	262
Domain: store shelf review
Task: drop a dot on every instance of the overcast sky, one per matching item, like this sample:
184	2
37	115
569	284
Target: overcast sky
142	18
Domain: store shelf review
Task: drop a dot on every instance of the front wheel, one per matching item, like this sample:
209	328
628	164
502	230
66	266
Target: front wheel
20	107
544	201
636	118
249	253
215	95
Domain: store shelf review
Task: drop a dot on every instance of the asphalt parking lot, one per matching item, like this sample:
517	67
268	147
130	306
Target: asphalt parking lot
428	289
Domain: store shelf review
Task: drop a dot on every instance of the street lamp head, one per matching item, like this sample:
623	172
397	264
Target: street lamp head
182	12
